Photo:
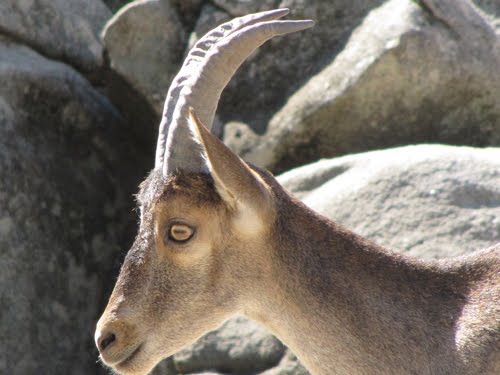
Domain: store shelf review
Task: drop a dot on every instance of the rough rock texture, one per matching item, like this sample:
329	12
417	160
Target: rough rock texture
428	201
289	365
209	17
240	138
64	199
144	42
429	72
66	30
238	8
240	346
188	11
491	9
115	5
265	77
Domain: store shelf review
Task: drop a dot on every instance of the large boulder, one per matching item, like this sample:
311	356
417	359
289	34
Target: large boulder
240	347
67	173
135	34
144	43
289	365
429	201
281	66
66	30
413	71
428	73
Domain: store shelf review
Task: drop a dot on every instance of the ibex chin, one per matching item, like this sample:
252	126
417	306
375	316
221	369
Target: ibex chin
220	237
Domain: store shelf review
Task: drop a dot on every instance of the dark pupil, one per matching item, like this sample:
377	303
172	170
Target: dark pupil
180	233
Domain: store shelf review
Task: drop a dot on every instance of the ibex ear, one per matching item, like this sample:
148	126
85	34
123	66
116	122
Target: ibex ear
238	185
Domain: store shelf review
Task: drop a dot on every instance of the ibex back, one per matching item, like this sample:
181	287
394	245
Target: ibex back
219	237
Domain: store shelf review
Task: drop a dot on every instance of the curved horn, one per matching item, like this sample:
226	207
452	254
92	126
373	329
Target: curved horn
203	88
192	63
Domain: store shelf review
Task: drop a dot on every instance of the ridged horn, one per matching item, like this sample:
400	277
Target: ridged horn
192	63
211	72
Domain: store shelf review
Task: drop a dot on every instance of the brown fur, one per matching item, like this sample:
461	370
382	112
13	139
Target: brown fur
378	312
343	304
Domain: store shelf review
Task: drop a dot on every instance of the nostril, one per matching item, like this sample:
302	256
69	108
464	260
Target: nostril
106	340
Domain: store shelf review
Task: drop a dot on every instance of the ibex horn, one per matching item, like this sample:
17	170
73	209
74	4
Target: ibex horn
208	68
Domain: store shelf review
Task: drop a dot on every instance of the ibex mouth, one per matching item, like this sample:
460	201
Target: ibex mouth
120	366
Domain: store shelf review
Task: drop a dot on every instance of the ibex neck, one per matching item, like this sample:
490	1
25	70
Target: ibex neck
347	306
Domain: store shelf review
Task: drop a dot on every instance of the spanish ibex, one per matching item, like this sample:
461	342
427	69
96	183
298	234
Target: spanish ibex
219	237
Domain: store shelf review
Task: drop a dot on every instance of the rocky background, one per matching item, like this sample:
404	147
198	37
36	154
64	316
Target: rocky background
81	91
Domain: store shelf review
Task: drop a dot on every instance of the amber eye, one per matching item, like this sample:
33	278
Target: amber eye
180	232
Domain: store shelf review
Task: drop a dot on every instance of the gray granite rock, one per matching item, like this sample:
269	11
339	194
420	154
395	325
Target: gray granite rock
188	11
491	10
289	365
428	201
238	8
115	5
280	67
240	138
66	177
66	30
240	346
144	42
209	17
427	73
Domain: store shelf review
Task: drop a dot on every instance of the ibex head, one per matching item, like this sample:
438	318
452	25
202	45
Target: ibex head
204	214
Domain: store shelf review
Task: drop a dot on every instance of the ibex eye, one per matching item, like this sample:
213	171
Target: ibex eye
180	232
